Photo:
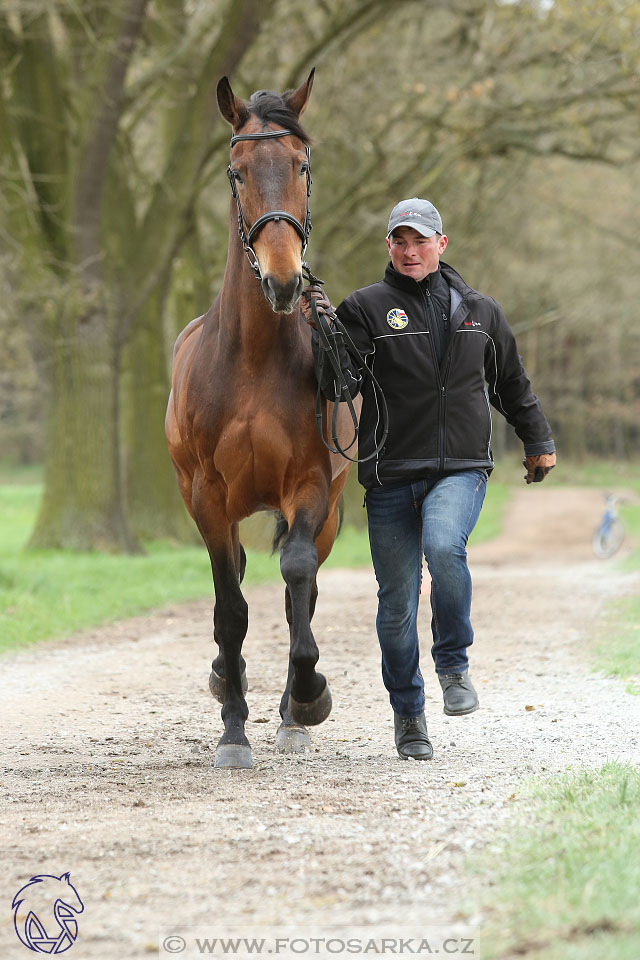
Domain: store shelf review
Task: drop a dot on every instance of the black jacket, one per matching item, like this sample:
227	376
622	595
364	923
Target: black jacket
439	414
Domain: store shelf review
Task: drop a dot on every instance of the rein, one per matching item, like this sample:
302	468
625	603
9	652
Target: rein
330	335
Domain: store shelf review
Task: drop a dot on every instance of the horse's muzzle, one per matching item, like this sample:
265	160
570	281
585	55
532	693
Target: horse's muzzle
282	296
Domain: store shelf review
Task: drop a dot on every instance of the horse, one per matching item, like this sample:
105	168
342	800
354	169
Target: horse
241	419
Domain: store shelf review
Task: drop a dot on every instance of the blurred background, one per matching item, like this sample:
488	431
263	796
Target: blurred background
519	120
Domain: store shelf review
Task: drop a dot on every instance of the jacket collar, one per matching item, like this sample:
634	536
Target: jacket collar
445	272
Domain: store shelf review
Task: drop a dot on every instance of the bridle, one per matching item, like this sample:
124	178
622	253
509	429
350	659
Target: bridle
247	234
329	350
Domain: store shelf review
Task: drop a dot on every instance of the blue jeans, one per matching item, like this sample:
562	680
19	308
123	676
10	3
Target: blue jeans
434	517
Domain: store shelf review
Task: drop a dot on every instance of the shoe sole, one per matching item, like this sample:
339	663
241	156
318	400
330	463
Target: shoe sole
403	757
460	713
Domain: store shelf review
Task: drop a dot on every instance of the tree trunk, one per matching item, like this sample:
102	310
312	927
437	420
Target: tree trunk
155	507
82	507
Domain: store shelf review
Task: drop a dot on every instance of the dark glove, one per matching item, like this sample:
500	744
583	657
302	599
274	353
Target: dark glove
314	292
538	467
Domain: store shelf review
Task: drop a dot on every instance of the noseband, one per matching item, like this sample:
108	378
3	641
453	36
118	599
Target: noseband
247	234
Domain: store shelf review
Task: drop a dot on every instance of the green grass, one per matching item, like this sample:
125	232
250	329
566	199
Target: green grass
608	474
567	879
616	641
616	645
46	594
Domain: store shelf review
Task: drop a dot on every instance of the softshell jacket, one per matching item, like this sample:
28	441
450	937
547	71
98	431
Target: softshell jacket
439	414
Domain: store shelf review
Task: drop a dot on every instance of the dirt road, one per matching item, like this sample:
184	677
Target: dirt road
108	744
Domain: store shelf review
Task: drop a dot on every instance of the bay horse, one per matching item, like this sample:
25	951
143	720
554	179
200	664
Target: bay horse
241	424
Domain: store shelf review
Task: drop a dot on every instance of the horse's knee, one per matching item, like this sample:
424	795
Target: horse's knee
298	562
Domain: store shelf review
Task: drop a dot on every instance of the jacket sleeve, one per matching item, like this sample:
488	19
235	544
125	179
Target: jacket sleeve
510	389
355	325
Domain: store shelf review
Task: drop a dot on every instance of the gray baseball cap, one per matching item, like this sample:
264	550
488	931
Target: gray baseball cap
416	213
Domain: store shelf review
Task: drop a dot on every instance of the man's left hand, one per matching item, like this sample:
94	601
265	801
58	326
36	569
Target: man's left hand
538	467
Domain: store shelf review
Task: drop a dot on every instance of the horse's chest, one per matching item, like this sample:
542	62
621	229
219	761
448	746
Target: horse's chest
252	454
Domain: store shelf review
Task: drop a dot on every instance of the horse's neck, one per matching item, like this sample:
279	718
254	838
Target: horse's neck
246	318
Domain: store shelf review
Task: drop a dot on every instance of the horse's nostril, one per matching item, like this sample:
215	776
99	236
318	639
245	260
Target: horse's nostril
282	294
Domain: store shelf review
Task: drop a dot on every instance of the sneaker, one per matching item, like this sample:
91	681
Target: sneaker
412	741
459	694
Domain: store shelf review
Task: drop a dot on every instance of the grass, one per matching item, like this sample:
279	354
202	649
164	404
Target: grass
45	594
616	641
616	647
48	593
564	884
566	881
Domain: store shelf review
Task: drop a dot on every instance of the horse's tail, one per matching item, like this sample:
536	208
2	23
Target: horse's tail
282	529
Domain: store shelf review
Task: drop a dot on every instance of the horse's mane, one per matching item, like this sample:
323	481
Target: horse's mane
270	107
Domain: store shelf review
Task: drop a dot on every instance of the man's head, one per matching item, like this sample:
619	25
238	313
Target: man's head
415	240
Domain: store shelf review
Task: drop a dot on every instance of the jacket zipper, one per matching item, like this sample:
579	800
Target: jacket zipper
426	297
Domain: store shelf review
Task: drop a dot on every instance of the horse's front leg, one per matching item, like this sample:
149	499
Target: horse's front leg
217	677
292	737
309	698
230	617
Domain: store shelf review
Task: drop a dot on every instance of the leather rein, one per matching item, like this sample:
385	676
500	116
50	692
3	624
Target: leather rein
331	331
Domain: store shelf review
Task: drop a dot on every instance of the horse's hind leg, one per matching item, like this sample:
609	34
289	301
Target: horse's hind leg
230	617
217	677
309	698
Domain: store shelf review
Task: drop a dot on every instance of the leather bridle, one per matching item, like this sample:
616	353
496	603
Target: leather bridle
247	234
328	332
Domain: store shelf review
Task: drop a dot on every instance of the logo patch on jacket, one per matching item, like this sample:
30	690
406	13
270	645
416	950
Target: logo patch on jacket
397	318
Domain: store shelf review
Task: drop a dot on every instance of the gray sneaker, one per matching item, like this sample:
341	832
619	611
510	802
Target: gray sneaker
459	694
412	740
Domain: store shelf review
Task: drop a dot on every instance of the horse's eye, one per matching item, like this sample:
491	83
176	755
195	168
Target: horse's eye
304	169
236	176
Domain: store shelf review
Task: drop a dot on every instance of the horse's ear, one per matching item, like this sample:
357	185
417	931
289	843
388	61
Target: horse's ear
298	100
231	107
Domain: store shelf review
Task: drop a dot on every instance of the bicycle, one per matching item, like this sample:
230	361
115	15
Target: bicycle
608	537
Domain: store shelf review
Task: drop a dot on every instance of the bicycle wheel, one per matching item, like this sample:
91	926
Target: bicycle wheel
607	542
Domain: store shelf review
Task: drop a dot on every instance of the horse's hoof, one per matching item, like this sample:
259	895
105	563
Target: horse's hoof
218	685
313	713
236	756
291	739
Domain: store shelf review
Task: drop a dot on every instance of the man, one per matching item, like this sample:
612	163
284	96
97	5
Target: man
441	352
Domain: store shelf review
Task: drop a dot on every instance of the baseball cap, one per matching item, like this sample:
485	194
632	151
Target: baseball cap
416	213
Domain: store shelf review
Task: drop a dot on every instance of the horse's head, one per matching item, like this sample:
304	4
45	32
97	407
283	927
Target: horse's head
270	180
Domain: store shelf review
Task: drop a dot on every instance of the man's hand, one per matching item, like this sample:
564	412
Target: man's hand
538	467
314	292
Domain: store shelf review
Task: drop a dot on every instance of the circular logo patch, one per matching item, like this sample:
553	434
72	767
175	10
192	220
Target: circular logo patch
397	318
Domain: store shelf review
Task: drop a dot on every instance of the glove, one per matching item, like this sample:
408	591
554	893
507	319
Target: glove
538	467
314	292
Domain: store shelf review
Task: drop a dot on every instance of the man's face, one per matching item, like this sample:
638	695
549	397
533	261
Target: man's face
415	255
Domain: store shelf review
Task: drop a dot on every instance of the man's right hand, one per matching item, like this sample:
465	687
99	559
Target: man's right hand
314	292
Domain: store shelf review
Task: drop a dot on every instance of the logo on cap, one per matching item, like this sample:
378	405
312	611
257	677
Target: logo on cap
397	318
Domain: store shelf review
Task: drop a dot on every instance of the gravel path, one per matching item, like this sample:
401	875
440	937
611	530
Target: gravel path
108	740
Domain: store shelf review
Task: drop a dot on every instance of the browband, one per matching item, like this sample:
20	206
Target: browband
259	136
